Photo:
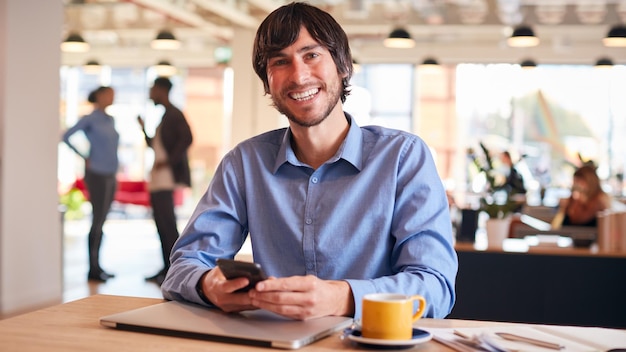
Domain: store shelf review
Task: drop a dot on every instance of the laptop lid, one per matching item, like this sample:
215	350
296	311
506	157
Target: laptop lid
258	327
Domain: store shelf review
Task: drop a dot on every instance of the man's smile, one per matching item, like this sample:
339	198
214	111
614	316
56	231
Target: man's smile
306	95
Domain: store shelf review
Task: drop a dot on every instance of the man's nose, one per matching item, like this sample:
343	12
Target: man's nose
300	72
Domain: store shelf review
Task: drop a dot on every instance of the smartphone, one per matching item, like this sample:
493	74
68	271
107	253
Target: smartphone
234	268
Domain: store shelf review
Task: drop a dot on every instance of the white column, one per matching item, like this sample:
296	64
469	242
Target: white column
30	231
252	110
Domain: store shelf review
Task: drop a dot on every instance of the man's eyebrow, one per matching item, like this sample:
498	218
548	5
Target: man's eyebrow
309	47
301	50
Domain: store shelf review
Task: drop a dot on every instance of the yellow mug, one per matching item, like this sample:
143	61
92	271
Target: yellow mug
390	316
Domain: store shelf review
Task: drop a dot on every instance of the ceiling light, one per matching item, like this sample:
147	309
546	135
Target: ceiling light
356	66
165	40
522	37
165	68
74	43
429	61
528	64
92	67
399	38
616	36
604	62
430	65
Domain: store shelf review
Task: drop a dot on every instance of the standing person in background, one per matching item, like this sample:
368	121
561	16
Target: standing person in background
586	200
170	169
514	183
100	170
514	180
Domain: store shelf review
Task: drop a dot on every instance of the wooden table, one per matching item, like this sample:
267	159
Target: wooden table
75	326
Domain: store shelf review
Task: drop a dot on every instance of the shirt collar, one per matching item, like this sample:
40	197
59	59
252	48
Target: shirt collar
350	150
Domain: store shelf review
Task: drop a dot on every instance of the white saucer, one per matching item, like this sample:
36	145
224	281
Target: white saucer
419	336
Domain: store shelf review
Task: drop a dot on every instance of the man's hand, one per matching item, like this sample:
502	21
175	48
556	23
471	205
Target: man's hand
141	123
220	291
303	297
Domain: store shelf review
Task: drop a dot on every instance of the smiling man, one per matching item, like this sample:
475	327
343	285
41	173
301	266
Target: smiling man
333	210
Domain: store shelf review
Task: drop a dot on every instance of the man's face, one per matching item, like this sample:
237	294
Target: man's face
303	81
155	95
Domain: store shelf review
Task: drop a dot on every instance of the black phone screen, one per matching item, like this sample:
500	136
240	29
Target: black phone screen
234	268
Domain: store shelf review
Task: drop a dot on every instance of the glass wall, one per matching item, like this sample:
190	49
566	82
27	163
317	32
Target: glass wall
551	118
195	91
382	94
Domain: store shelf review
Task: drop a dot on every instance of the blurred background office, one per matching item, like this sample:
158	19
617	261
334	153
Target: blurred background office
462	79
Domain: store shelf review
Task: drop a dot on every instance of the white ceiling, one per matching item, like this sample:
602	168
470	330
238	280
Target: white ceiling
454	31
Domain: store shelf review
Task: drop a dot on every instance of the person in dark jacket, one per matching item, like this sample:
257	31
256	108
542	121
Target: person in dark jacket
170	170
514	180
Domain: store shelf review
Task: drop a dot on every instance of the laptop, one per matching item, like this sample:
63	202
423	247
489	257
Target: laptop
257	327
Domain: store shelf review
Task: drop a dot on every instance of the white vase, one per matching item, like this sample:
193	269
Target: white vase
497	230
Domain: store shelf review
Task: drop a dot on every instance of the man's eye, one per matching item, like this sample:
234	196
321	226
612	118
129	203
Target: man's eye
278	62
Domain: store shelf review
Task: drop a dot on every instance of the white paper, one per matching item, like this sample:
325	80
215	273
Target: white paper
574	339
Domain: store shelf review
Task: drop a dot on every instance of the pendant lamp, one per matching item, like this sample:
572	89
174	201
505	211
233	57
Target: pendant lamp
523	37
74	43
430	61
165	68
430	65
528	64
399	38
616	36
604	62
356	66
165	40
92	67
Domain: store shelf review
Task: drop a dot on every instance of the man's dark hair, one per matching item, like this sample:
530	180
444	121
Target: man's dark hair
281	28
163	82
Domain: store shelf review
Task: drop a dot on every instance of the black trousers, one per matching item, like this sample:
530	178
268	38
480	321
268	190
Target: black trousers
165	220
101	192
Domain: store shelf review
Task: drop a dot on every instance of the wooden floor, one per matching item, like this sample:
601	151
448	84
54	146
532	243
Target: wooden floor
130	250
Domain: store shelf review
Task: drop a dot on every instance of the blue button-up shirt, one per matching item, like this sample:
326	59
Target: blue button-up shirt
374	215
99	128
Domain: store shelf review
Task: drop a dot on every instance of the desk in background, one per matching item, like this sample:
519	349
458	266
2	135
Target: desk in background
75	326
572	286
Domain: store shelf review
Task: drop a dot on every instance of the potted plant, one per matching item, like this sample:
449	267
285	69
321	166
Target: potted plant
496	200
498	205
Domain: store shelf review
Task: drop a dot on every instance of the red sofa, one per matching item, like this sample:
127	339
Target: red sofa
131	192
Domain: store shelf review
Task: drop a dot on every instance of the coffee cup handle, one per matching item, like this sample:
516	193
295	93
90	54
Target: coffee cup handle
422	307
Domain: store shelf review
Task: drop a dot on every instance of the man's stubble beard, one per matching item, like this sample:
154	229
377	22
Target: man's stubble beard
334	97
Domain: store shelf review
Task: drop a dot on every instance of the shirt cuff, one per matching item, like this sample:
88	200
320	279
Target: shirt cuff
359	289
199	290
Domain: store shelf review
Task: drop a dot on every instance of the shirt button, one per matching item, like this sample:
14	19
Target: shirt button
309	266
308	221
314	179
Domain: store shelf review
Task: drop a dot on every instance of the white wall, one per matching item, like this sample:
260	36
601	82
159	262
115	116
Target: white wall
252	110
30	230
